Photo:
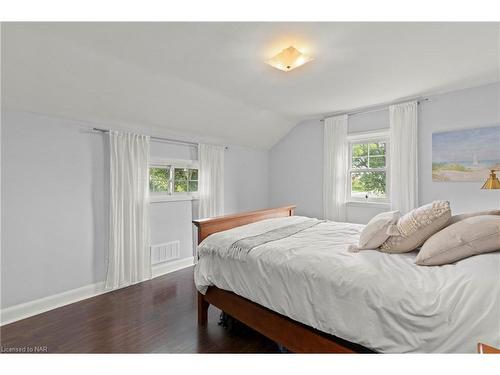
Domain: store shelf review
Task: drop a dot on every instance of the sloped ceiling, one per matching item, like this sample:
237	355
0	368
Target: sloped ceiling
210	79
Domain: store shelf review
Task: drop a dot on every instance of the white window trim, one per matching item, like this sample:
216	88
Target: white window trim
173	196
179	163
366	137
179	197
373	204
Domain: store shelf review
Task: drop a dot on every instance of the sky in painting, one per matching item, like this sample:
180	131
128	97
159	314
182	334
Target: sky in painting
462	145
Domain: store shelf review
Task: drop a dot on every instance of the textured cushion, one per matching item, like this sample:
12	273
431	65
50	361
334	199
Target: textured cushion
456	218
471	236
375	232
414	228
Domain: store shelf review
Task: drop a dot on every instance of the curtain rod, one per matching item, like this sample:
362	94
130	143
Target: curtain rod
159	139
373	108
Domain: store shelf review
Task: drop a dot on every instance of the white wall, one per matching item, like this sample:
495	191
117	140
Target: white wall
296	162
54	203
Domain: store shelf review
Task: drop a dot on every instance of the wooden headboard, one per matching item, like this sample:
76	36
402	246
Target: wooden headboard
208	226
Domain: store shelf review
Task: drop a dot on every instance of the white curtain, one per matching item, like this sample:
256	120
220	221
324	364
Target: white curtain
404	159
129	253
211	180
335	168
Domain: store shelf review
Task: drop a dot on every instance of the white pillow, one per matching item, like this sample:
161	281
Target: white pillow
414	228
471	236
375	232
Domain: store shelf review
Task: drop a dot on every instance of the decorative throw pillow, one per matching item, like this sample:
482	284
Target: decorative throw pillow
414	228
471	236
375	232
456	218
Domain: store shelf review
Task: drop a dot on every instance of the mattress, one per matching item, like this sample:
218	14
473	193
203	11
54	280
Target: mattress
381	301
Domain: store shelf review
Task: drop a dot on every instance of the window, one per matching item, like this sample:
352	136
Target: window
173	179
368	172
185	180
159	180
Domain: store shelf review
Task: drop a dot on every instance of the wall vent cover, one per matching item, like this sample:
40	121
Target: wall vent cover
165	252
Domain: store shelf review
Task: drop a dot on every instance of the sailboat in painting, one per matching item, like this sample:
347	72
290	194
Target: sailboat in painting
475	163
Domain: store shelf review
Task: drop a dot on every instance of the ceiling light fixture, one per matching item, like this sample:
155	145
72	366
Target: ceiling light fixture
288	59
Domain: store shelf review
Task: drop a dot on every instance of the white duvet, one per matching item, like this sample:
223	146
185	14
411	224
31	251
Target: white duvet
381	301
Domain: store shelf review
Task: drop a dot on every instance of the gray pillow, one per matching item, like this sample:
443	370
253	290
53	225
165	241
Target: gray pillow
456	218
414	228
471	236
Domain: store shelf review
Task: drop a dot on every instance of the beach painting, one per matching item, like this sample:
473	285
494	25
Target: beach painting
465	155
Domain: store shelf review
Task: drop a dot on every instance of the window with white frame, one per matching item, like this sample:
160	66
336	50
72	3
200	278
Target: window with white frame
368	167
173	177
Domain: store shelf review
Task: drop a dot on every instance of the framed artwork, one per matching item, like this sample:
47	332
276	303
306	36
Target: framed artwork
465	155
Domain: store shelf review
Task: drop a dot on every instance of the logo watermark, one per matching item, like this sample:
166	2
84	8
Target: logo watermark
24	349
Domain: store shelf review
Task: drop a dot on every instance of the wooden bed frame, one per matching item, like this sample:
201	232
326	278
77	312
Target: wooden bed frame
294	336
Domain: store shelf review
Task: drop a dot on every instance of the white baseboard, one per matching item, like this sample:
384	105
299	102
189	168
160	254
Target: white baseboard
38	306
164	268
25	310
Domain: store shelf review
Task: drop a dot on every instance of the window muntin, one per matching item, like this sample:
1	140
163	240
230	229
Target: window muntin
368	172
185	180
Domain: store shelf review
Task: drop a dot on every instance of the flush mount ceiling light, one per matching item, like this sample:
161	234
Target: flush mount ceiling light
288	59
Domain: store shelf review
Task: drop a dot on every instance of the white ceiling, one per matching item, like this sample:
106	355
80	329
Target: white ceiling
210	79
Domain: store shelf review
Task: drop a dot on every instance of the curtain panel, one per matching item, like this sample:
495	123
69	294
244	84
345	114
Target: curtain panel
335	168
211	181
129	259
403	119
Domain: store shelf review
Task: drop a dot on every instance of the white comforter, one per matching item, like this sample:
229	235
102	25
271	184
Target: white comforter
382	301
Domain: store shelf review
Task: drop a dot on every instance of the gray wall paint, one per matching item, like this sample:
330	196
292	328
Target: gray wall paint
164	150
246	179
296	164
369	121
54	206
296	170
54	203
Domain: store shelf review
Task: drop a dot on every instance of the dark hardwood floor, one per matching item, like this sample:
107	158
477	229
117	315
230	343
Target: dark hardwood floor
156	316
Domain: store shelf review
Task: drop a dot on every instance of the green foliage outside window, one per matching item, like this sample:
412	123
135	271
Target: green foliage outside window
368	156
368	182
159	180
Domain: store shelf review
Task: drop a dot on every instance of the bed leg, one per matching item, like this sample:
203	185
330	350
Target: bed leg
202	310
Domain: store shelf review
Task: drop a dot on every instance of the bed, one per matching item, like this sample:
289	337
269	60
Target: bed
304	289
